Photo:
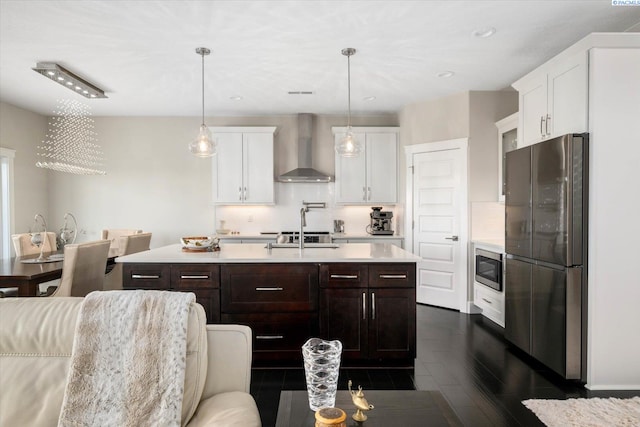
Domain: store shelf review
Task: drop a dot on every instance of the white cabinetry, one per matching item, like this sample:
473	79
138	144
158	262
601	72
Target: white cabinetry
553	100
490	300
370	178
243	165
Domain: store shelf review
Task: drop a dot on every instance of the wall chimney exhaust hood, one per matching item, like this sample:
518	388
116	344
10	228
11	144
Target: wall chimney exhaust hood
304	172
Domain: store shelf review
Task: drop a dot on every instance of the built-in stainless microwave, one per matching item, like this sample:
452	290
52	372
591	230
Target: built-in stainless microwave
488	269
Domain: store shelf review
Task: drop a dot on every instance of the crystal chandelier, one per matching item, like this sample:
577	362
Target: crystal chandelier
70	144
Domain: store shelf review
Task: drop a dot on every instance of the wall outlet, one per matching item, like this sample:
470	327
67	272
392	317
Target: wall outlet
250	218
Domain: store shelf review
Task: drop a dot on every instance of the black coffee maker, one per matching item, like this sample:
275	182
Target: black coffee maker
380	221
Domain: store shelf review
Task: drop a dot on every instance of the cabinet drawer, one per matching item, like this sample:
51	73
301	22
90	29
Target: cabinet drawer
392	275
195	276
350	275
269	288
277	335
490	301
146	276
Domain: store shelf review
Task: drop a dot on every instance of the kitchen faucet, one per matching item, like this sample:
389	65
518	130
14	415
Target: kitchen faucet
303	218
303	223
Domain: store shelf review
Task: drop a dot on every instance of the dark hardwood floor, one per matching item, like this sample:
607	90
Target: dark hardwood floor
466	358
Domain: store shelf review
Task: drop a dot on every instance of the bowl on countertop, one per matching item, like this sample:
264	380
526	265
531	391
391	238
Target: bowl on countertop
223	231
198	242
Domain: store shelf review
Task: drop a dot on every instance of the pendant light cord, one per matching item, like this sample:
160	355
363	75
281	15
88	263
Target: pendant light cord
202	54
349	90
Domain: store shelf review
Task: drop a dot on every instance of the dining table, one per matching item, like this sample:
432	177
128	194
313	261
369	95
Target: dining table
26	273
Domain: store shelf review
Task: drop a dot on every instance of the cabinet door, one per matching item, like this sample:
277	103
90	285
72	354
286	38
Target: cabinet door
344	317
277	336
392	324
567	97
533	112
257	168
394	275
517	291
146	276
204	281
381	156
227	169
351	175
263	288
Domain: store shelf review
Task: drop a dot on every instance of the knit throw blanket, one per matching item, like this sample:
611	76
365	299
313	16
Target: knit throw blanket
128	360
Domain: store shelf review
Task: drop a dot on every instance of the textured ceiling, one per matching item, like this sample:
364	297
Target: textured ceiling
142	53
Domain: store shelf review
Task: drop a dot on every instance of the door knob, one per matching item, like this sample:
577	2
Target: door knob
454	238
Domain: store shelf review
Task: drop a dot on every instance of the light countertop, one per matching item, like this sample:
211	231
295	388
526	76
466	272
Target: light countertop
258	253
365	236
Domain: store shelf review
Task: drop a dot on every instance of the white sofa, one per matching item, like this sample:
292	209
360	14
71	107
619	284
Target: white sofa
36	338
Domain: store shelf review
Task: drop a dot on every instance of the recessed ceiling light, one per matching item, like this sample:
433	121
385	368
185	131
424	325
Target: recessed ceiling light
445	74
236	98
369	98
484	32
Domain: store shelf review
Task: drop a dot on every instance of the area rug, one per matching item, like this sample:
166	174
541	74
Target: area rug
593	412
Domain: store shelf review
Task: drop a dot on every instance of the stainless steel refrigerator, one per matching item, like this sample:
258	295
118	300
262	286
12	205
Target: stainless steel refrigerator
546	246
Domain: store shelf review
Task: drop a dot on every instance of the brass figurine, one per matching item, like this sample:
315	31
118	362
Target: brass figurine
360	403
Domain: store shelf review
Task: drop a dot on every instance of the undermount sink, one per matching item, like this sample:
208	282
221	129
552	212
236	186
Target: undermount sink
306	245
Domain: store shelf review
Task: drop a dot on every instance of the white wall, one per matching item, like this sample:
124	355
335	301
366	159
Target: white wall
613	356
485	109
153	183
23	131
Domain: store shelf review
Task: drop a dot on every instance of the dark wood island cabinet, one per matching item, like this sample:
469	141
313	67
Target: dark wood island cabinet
371	309
368	306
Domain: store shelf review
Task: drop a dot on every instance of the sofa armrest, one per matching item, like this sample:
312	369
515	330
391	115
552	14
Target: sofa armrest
229	359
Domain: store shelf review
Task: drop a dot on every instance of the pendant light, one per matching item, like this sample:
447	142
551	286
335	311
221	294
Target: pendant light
203	145
349	146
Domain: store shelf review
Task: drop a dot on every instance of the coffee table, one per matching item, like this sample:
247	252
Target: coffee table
407	408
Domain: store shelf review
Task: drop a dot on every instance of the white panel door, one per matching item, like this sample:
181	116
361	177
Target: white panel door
436	215
227	171
258	168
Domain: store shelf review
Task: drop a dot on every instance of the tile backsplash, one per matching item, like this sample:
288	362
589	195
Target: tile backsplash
285	214
487	221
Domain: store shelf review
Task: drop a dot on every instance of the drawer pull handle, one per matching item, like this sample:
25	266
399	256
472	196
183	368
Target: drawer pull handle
269	337
487	301
145	276
344	276
270	289
186	276
393	276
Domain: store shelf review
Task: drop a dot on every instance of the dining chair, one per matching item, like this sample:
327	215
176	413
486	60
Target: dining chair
113	235
83	269
23	247
128	245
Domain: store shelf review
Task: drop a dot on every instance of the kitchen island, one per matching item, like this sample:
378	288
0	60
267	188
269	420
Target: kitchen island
362	294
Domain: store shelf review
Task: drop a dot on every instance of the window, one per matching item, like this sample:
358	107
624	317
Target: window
6	199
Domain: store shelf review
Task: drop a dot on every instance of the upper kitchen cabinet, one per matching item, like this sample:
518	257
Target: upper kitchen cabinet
553	100
243	166
370	178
